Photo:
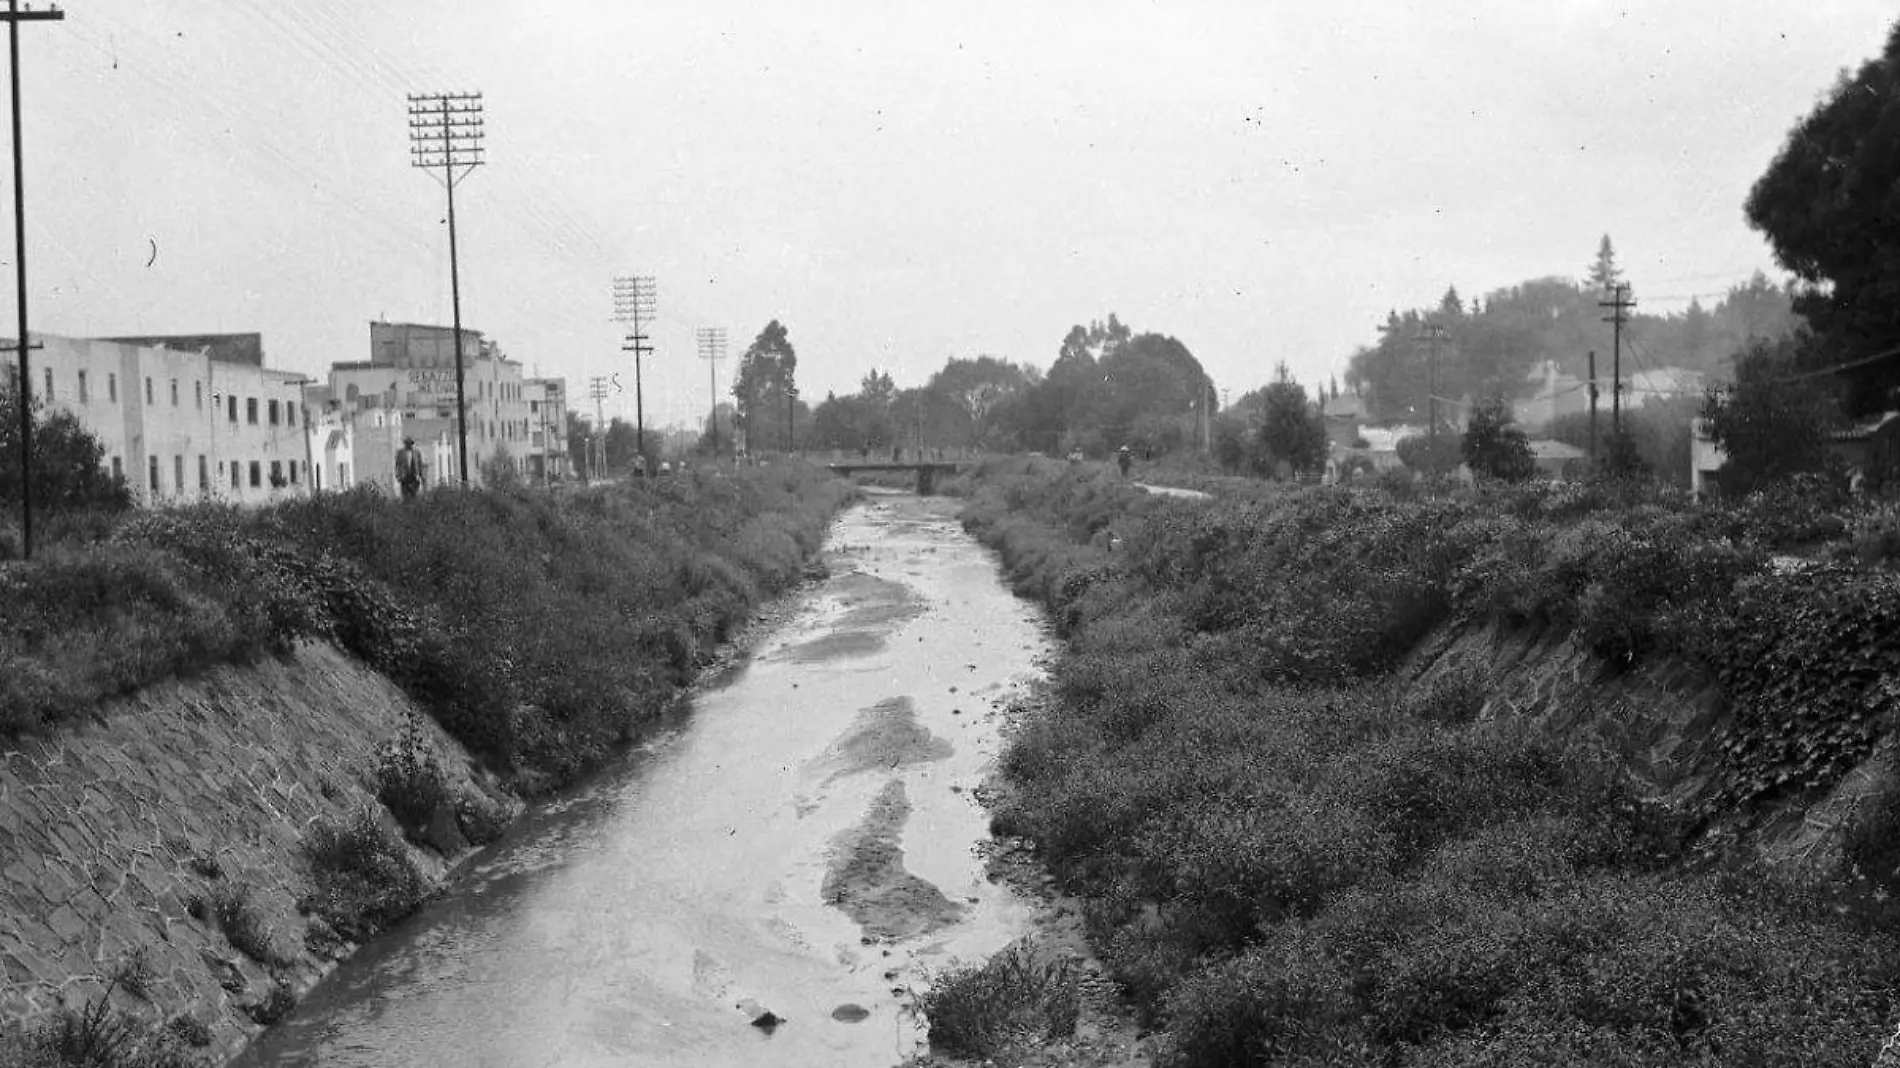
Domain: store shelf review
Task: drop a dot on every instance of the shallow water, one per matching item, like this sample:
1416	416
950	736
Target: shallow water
627	923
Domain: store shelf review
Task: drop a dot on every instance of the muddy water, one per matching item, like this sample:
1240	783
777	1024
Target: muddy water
799	841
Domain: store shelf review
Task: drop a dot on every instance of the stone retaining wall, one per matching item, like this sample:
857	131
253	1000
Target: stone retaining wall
187	790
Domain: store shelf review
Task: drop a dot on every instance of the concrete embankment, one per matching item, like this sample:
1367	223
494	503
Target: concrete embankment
131	843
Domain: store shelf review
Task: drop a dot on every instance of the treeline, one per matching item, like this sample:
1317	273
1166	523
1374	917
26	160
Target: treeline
1108	387
1497	345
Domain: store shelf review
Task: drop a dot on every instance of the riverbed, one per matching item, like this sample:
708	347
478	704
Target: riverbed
799	841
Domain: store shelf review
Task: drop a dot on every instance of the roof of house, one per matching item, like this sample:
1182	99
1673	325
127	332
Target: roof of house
1546	449
225	348
1866	428
1344	406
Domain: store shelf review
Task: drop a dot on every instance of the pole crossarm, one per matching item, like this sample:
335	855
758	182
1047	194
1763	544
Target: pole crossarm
445	133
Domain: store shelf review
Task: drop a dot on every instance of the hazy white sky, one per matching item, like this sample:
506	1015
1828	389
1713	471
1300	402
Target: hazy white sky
897	182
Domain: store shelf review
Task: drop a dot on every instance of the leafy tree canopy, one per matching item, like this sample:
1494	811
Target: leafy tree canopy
68	468
1495	446
1829	204
1774	421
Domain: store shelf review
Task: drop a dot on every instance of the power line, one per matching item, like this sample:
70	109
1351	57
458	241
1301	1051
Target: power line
445	130
635	298
1621	303
712	349
14	16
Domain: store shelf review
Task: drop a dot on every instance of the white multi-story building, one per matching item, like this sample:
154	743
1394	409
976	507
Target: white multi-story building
407	389
547	429
181	418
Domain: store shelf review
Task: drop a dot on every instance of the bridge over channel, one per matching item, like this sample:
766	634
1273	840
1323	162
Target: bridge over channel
927	471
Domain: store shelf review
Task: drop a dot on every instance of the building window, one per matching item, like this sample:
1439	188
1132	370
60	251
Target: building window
198	394
112	387
148	392
257	471
250	413
178	474
83	395
49	383
274	414
204	473
293	472
174	393
277	474
233	399
290	412
235	476
118	470
151	474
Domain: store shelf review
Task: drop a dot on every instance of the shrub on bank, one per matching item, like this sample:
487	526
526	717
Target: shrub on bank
1021	995
363	876
539	629
1287	865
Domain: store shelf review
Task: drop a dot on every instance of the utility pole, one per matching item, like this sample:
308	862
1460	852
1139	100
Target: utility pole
1433	336
1593	407
635	299
445	131
1621	303
791	413
14	17
712	349
597	449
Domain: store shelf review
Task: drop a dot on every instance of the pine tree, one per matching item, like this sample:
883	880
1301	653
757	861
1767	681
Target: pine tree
1604	273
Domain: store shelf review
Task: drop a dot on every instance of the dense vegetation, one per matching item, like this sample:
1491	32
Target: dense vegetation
1290	859
540	629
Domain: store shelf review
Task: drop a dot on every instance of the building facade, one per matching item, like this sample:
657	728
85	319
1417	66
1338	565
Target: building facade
547	430
407	389
182	419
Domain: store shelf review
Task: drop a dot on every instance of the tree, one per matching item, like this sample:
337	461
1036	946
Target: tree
767	371
1495	446
68	463
1826	206
1773	422
1603	272
1291	429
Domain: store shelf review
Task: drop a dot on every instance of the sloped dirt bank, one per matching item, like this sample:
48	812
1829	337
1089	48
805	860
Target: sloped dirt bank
1663	720
119	841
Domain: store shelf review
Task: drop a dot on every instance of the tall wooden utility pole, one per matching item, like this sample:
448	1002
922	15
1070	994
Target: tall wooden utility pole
445	131
1433	336
597	445
14	17
635	299
712	349
1593	406
1621	302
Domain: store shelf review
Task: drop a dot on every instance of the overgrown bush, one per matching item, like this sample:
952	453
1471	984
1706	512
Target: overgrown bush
1020	996
1285	864
97	1035
243	927
363	878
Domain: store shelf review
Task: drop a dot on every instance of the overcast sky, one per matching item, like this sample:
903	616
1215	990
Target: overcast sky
897	182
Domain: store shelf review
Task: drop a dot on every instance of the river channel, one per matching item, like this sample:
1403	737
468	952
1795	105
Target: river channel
801	839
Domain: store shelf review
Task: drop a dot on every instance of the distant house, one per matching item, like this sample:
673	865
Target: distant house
1873	444
1552	458
1556	393
1343	416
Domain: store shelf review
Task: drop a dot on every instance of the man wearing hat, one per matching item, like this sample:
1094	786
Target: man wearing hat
409	468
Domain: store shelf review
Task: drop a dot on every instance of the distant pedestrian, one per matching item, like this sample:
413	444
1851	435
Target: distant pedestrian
1124	459
1857	483
409	468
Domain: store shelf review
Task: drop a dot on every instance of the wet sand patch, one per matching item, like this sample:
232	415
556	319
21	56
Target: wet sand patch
884	736
866	880
873	608
838	645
